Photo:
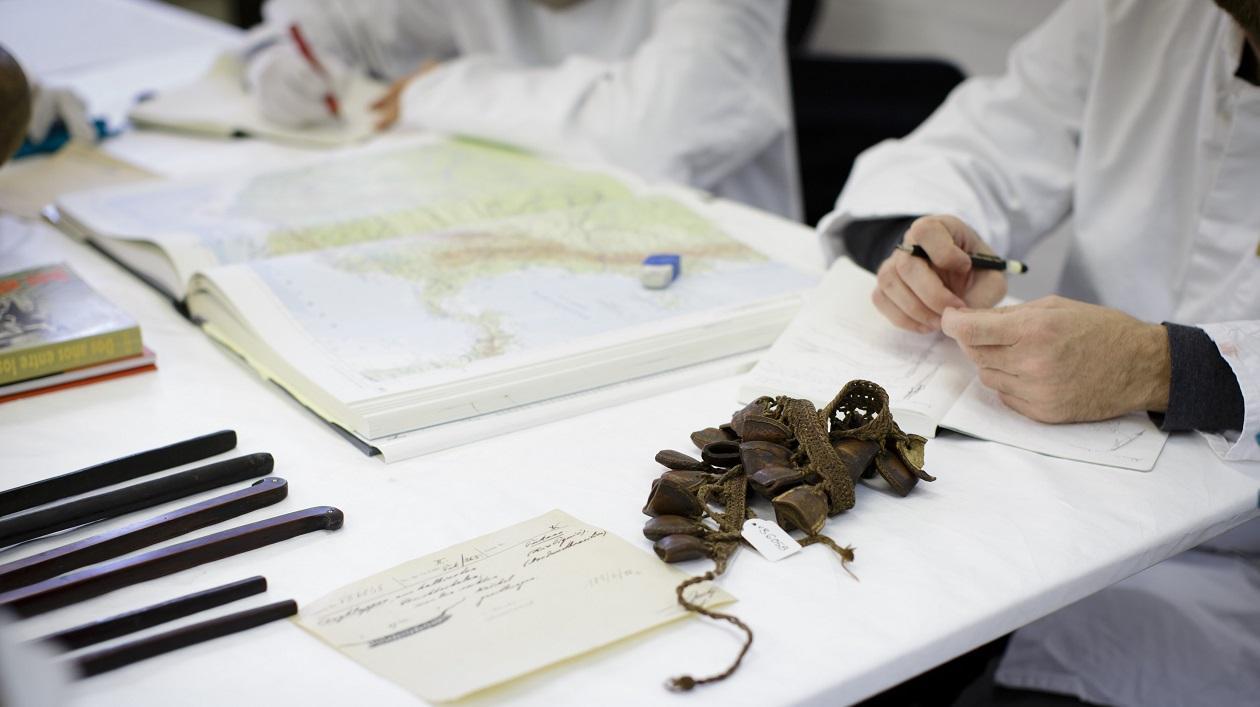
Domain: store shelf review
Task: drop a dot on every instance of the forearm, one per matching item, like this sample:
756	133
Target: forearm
698	98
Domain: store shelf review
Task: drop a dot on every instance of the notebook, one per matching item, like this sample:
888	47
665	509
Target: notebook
217	104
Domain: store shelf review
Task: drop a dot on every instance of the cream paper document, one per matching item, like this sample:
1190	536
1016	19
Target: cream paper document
481	613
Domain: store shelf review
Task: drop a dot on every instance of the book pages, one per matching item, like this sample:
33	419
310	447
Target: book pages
483	612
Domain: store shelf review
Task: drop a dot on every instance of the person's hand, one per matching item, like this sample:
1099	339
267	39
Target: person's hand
1059	360
50	104
913	292
290	91
389	106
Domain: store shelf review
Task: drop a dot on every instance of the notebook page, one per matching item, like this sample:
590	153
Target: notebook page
218	104
1130	442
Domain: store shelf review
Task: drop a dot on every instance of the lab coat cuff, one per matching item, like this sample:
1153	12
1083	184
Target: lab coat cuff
1239	345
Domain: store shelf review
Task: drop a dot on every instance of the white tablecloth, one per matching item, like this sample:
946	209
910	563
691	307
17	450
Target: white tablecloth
1003	537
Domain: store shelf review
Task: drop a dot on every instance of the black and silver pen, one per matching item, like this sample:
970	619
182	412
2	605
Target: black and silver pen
982	261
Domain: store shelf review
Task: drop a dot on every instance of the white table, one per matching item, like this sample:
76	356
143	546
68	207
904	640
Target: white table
1003	537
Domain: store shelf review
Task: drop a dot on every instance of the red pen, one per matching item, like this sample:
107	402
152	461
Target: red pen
330	99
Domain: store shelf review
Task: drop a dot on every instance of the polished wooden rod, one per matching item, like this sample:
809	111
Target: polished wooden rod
111	504
115	543
115	472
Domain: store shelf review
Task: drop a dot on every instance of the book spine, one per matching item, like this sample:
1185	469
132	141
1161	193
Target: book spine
63	355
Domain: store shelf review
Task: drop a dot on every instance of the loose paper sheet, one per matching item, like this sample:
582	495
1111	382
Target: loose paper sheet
30	184
500	606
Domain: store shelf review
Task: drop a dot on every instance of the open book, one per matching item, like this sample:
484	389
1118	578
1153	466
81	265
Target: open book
217	104
396	289
839	335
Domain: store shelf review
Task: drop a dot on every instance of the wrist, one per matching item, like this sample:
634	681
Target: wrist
1153	364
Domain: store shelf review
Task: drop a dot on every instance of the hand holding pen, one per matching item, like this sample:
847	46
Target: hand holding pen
913	292
330	94
293	85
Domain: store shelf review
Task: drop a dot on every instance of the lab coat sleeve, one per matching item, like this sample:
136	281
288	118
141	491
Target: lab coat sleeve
388	39
1239	344
699	98
999	153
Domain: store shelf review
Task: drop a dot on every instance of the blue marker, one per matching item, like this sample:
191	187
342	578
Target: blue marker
660	269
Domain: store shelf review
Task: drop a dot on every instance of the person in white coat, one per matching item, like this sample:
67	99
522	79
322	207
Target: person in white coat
1138	120
692	91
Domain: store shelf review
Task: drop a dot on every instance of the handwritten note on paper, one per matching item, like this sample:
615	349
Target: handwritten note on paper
478	614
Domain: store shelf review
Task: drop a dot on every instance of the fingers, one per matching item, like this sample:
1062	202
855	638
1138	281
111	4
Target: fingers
1001	358
894	314
923	280
941	239
389	106
388	116
991	327
1012	391
902	298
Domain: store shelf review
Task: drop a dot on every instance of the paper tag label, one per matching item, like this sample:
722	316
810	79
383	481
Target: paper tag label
769	539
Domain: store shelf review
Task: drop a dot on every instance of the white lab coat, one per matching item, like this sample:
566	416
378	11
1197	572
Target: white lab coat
693	91
1126	116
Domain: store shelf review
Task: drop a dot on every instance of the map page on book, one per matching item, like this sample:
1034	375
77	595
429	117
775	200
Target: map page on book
556	292
358	196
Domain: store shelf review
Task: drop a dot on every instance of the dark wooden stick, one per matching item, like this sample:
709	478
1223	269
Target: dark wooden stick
115	543
140	619
119	656
115	472
100	579
147	494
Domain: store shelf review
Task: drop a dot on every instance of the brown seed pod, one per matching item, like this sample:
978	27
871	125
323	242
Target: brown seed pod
690	480
661	526
678	460
756	407
759	428
721	454
856	455
771	481
758	455
899	476
708	435
667	498
803	507
677	548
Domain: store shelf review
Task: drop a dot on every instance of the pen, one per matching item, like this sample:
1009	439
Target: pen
982	261
330	99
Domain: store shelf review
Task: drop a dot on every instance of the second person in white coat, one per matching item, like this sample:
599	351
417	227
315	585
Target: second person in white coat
691	91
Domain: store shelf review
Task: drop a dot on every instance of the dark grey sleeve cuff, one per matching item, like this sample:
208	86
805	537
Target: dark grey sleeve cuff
1204	393
869	242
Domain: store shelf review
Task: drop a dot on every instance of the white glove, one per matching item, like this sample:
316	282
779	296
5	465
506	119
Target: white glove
290	91
48	104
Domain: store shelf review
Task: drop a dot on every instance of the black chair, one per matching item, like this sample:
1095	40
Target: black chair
843	105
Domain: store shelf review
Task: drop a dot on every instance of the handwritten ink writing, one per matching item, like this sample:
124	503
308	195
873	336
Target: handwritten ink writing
552	544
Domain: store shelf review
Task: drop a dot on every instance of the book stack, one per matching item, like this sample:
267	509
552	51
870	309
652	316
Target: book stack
57	332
